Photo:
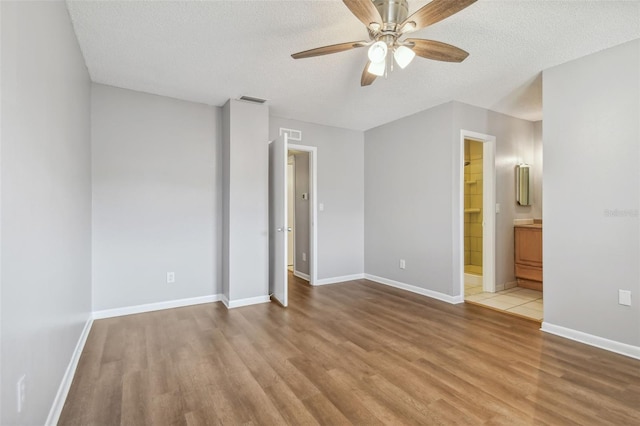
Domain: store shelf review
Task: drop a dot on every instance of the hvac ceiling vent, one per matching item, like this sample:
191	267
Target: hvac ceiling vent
252	99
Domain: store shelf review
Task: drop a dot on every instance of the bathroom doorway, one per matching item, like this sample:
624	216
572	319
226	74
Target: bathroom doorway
473	216
477	219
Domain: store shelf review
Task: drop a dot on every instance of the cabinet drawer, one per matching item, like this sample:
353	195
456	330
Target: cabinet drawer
528	272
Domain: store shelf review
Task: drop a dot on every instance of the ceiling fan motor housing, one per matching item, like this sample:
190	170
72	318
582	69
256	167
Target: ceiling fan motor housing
392	12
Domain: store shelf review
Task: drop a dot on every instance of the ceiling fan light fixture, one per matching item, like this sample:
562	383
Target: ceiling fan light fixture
378	52
377	68
403	56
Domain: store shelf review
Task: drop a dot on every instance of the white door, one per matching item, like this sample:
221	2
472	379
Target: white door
278	228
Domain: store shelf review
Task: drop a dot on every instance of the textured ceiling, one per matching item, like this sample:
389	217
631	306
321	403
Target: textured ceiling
215	50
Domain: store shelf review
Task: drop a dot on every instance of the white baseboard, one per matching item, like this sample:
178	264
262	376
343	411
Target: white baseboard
230	304
419	290
510	284
169	304
65	384
302	275
341	279
589	339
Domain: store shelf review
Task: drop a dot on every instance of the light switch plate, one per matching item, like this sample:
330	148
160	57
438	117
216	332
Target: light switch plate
624	297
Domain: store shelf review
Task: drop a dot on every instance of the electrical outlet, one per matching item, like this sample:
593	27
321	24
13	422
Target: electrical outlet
22	392
402	264
624	297
171	277
304	257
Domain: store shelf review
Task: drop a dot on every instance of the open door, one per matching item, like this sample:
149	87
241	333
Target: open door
278	228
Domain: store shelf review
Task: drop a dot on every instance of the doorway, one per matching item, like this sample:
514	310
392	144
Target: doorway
279	151
473	216
302	211
291	173
477	195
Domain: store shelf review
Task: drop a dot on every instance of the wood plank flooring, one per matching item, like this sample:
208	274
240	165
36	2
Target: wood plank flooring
353	353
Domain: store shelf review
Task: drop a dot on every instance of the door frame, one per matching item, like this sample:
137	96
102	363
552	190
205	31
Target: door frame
313	210
289	201
488	209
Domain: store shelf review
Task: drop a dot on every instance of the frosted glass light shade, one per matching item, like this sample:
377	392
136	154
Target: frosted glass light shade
378	52
377	68
403	56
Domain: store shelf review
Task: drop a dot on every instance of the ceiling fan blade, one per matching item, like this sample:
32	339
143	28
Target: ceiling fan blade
364	10
367	78
326	50
434	12
437	50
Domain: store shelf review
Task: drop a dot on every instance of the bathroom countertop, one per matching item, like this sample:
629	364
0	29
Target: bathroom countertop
531	225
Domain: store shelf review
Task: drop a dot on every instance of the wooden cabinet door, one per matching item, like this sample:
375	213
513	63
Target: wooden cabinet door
528	246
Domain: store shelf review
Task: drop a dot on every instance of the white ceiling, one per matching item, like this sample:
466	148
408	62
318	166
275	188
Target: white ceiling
215	50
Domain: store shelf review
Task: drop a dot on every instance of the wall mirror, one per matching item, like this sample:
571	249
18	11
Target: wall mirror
523	192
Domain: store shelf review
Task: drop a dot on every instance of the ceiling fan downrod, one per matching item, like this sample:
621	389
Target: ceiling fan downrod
393	14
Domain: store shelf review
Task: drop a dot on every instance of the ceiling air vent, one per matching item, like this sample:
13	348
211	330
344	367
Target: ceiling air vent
252	99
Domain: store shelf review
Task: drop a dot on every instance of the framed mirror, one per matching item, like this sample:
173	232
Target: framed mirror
523	192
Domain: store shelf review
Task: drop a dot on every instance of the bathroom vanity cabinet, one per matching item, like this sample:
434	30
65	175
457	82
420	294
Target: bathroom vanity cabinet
528	256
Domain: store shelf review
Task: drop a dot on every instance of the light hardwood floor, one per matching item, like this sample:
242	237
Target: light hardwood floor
354	353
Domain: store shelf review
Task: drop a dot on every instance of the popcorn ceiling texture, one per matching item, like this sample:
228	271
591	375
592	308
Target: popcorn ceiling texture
211	51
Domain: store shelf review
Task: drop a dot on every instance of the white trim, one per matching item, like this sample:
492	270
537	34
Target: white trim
590	339
65	384
510	284
488	214
230	304
418	290
313	210
149	307
291	200
301	275
334	280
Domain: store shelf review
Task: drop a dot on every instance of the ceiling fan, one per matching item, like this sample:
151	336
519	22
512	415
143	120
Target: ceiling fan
387	22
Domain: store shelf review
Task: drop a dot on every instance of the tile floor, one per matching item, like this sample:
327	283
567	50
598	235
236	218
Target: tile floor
473	269
519	301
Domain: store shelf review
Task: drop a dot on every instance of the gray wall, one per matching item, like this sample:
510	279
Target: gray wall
340	188
536	170
302	211
408	198
246	207
592	193
411	193
46	203
155	198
